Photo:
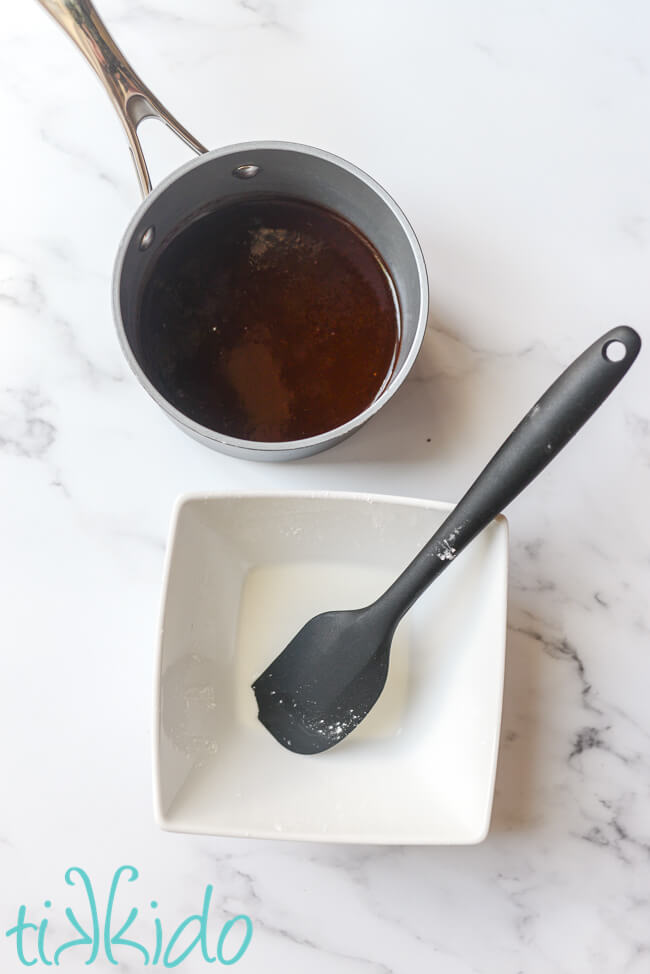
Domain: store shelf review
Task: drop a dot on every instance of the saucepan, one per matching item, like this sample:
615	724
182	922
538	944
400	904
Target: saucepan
233	172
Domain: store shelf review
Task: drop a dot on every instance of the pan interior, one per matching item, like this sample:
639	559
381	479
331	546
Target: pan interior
212	182
269	319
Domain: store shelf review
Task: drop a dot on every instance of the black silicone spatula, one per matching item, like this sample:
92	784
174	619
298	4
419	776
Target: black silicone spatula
331	674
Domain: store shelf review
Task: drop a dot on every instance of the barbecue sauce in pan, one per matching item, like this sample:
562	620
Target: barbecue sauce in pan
269	318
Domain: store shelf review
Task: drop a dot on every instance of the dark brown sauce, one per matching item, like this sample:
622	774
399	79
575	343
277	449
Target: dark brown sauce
269	319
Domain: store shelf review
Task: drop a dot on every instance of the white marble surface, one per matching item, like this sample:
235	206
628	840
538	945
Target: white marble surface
516	138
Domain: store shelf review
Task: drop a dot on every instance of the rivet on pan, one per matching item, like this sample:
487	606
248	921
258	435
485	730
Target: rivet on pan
147	238
246	171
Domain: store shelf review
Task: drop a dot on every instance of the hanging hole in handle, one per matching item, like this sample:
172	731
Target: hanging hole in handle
615	351
246	171
147	238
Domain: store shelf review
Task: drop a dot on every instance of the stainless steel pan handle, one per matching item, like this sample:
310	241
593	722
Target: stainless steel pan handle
132	99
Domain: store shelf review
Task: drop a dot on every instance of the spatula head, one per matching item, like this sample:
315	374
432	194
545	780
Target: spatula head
327	679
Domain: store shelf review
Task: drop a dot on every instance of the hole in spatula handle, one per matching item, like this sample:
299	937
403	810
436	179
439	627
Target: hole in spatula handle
615	351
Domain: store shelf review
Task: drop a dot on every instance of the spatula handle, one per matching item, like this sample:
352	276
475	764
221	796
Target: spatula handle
540	436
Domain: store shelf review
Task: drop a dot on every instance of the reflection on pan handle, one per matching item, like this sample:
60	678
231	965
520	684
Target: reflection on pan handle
130	96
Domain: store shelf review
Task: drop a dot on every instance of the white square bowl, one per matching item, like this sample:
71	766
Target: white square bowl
243	573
